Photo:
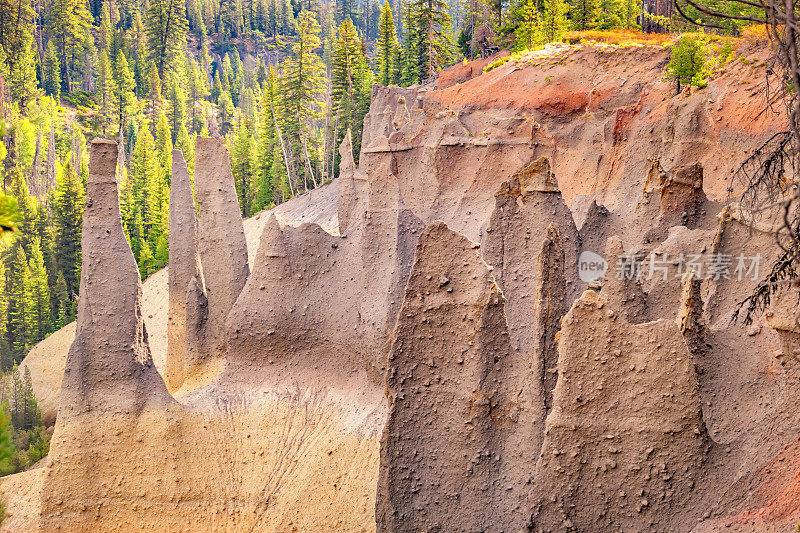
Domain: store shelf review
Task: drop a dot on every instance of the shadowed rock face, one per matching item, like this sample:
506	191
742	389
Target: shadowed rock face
524	208
183	267
621	284
453	383
109	367
624	442
221	243
110	379
352	185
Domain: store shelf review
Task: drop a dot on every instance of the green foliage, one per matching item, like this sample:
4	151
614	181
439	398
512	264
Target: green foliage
351	83
499	62
584	14
123	90
687	64
67	226
9	219
387	48
166	29
554	20
530	32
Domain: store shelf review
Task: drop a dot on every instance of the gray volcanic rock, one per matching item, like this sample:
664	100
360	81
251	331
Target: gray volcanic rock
183	266
622	285
551	305
109	366
524	208
625	441
453	382
221	242
352	185
110	382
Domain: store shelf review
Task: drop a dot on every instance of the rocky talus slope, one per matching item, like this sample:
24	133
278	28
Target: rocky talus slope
412	347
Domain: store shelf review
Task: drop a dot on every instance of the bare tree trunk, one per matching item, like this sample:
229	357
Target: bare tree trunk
305	150
283	150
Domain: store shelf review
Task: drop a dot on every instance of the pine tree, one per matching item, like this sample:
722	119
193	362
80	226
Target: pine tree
177	107
20	303
104	88
32	415
584	14
351	83
52	72
554	21
302	88
124	84
21	78
66	307
243	162
67	223
165	29
69	21
40	296
431	36
529	33
267	143
387	47
16	44
226	112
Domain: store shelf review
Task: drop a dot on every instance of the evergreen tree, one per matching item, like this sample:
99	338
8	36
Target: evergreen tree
52	72
584	14
21	78
387	47
529	33
104	88
68	223
16	44
40	324
69	21
351	83
166	29
124	84
20	303
177	107
554	21
303	86
226	112
243	162
430	33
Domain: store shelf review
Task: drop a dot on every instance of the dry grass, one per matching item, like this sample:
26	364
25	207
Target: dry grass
619	37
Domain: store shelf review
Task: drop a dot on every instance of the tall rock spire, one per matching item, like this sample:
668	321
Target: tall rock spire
183	266
221	242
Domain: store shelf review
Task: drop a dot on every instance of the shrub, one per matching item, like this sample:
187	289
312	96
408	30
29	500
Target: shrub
497	63
688	63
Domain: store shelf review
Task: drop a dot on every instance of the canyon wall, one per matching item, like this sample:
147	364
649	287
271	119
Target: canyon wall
416	345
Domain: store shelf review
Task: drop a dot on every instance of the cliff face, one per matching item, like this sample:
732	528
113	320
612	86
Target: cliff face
412	347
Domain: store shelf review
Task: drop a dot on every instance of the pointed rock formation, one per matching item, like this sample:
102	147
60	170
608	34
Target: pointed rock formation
524	208
551	305
624	442
221	243
109	367
353	188
452	384
110	380
296	319
682	193
183	267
